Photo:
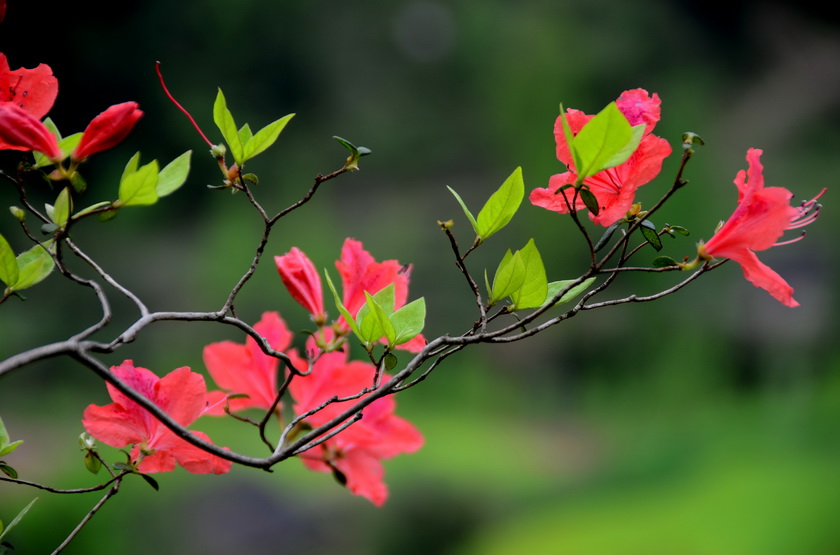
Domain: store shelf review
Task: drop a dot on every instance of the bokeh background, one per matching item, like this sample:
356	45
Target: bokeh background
705	423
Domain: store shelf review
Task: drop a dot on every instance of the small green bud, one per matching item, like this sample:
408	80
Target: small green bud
18	213
218	151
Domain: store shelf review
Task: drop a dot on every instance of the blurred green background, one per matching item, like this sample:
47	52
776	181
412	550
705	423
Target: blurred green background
706	423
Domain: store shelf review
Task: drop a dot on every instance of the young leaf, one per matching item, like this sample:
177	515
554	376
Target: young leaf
265	137
384	298
69	144
534	288
171	177
664	262
34	266
62	208
224	121
556	286
17	518
509	277
601	141
501	206
375	324
139	188
245	134
589	199
341	308
409	321
4	434
8	264
466	210
130	166
605	238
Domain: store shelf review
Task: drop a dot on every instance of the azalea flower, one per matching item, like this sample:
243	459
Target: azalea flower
359	273
355	454
20	130
763	214
614	188
246	369
34	90
107	129
181	394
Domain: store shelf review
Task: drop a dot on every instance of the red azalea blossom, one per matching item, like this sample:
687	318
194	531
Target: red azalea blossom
614	188
246	368
762	216
107	129
34	90
355	454
181	394
20	130
303	282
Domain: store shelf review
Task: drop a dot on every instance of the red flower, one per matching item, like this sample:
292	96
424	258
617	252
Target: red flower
246	368
2	10
181	394
20	130
614	188
34	90
303	282
762	216
107	129
355	454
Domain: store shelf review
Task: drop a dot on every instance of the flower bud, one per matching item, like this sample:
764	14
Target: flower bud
18	213
20	130
303	282
107	129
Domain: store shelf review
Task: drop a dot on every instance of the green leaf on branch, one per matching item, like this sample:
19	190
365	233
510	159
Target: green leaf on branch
510	275
151	481
139	188
664	262
245	134
605	238
62	208
341	308
556	286
224	121
648	230
264	138
589	199
466	210
8	263
92	463
6	446
376	323
173	175
607	140
390	362
17	518
356	152
34	265
534	288
8	471
409	321
501	206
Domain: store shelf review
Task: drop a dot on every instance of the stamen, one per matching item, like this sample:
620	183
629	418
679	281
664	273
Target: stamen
789	241
175	102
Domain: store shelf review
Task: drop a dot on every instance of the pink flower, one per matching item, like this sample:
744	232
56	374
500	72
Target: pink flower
107	129
34	90
763	214
20	130
246	369
303	282
355	454
614	188
181	394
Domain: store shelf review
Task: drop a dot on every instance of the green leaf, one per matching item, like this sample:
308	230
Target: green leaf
534	288
151	481
8	471
409	321
510	275
34	266
62	208
356	152
69	144
375	324
265	137
590	200
501	206
384	297
8	263
570	139
649	231
224	121
4	434
41	159
130	166
92	463
605	238
171	177
6	449
390	361
466	210
341	308
664	262
556	286
91	208
606	141
245	134
139	188
17	518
